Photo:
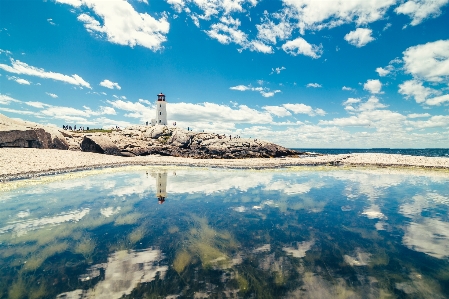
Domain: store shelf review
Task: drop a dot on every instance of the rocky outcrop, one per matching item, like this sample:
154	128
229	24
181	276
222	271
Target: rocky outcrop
16	133
143	140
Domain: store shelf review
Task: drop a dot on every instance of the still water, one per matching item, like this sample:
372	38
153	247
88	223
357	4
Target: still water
210	233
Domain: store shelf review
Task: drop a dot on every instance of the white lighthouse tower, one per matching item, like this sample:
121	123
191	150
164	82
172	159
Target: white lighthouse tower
161	111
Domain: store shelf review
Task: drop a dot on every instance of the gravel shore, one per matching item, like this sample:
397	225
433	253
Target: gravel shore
29	162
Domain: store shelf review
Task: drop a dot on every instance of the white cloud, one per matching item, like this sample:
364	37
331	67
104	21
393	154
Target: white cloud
51	22
18	67
178	5
304	109
438	100
136	109
371	104
109	84
121	24
277	110
227	31
269	94
373	86
277	70
240	88
436	121
429	65
264	91
347	88
314	85
211	112
260	47
270	32
316	15
359	37
416	89
382	72
300	46
429	62
419	10
213	7
5	100
52	95
36	104
388	125
417	115
351	101
19	80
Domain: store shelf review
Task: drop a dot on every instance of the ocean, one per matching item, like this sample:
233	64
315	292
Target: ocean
427	152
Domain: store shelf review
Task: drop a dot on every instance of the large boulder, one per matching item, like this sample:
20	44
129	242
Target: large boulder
180	138
99	144
17	133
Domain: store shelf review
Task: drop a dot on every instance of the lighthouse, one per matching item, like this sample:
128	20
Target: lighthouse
161	186
161	111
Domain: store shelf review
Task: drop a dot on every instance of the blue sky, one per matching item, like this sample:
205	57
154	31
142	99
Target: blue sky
301	73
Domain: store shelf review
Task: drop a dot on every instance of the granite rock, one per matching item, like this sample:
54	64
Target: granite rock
17	133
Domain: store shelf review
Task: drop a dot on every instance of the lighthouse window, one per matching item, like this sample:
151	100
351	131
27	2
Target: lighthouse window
160	113
160	105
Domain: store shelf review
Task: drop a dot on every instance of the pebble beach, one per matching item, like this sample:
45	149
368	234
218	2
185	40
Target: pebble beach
17	163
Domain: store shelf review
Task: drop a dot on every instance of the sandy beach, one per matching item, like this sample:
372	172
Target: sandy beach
16	163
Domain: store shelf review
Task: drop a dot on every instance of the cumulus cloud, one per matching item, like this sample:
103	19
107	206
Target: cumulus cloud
371	114
271	32
382	72
211	112
264	91
351	101
373	86
121	23
359	37
436	121
417	115
316	15
429	65
314	85
419	10
227	31
109	84
52	95
18	67
277	110
429	62
304	109
347	88
416	89
300	46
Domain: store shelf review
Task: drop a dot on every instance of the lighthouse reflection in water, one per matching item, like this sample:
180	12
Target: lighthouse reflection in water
287	233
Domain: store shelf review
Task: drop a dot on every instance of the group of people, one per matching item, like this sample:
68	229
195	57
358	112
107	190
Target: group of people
67	127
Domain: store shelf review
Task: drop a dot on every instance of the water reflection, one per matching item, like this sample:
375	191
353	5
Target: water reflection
123	271
228	234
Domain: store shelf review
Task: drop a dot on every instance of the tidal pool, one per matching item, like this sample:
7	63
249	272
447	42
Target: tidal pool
214	233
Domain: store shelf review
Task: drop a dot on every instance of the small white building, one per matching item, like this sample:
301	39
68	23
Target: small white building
161	111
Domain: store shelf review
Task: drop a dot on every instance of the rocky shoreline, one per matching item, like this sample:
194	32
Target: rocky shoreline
138	141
